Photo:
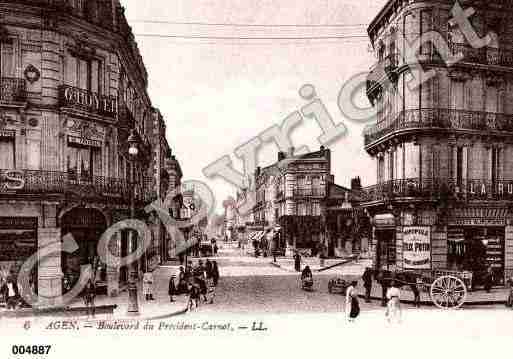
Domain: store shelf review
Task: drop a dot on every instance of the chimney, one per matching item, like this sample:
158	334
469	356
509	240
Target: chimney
356	183
281	156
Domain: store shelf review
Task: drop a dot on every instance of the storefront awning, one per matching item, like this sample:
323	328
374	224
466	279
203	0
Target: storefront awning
384	220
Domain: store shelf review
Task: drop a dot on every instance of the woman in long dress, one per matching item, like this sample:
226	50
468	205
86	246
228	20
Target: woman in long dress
394	303
352	304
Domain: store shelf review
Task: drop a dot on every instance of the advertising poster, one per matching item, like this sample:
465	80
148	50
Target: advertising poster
417	247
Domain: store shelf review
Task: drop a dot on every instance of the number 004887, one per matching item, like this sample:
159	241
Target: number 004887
31	349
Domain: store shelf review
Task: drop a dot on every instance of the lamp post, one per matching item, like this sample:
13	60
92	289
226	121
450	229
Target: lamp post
133	152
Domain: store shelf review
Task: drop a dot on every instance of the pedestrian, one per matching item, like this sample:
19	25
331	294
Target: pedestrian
384	281
208	268
182	281
352	304
297	262
367	283
393	311
416	288
216	248
215	273
172	288
509	302
194	295
148	285
89	296
11	292
488	279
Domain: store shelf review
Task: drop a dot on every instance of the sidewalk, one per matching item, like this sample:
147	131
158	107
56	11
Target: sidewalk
117	307
478	297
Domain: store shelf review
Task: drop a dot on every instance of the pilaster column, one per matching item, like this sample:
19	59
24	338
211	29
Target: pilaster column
113	272
49	271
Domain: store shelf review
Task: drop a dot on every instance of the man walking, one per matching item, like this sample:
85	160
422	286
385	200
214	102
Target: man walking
367	283
297	262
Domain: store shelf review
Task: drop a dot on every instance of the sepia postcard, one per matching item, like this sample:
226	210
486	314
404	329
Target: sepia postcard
256	178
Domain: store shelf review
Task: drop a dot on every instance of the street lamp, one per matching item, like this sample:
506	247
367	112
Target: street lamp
133	152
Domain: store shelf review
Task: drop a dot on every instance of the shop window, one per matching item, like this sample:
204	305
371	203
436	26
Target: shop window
83	162
6	153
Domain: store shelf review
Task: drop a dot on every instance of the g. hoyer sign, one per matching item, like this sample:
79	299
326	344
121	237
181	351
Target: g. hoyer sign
94	102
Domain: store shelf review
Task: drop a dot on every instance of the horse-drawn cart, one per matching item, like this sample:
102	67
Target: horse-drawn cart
447	289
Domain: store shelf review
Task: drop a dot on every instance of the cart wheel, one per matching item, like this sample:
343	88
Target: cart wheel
448	292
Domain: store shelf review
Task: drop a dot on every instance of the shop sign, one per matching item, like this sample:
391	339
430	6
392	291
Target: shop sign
417	247
90	100
477	222
84	141
11	180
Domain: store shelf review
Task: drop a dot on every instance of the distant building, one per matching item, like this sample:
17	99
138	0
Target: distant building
292	197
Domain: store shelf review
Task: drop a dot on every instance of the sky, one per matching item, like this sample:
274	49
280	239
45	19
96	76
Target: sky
216	94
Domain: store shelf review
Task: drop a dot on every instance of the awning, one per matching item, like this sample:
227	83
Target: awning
384	220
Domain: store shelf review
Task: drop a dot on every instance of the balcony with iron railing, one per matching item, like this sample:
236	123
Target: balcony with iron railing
87	101
484	56
51	183
12	90
440	188
97	12
438	118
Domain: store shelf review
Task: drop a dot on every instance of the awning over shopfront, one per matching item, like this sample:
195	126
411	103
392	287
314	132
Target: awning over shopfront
384	220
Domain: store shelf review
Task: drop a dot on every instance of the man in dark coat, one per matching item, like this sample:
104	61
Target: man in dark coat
297	262
367	283
11	292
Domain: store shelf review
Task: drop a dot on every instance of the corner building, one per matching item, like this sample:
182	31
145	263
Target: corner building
443	151
73	86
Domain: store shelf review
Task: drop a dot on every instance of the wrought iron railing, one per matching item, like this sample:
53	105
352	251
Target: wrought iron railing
484	55
35	182
97	12
439	118
441	188
12	89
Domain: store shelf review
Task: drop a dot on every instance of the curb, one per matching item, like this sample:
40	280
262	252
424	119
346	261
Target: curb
58	311
431	304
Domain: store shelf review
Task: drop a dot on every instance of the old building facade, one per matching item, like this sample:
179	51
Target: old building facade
73	86
290	199
442	150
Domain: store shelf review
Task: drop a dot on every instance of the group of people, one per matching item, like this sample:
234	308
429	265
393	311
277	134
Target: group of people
196	281
392	301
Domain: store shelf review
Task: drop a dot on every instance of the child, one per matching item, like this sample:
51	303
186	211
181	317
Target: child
194	294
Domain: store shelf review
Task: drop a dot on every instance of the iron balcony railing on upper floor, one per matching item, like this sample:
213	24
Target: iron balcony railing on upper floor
12	90
439	118
43	183
440	188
